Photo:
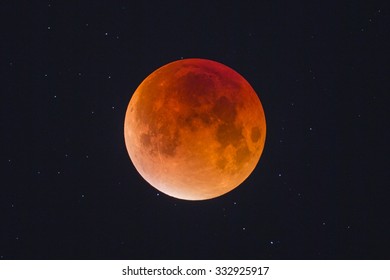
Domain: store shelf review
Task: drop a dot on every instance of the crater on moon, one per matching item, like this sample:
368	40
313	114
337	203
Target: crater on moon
255	134
195	129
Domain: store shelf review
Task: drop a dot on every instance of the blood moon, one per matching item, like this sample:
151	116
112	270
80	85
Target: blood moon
195	129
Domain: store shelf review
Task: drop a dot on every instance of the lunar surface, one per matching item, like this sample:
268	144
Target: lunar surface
195	129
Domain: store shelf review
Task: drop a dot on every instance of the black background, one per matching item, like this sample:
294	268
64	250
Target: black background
70	191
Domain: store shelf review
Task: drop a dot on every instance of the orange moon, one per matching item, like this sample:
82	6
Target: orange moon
195	129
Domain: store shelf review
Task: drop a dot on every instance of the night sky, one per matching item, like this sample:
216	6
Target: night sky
69	189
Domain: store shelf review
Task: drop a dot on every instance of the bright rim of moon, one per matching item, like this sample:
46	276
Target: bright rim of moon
195	129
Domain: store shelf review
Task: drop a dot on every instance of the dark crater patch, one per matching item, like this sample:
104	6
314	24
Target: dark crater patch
145	140
194	89
255	134
242	155
193	120
221	162
228	133
225	110
169	142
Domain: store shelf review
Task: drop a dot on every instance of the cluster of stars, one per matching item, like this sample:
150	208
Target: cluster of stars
370	20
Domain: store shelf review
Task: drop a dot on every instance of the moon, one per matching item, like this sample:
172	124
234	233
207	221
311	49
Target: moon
195	129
